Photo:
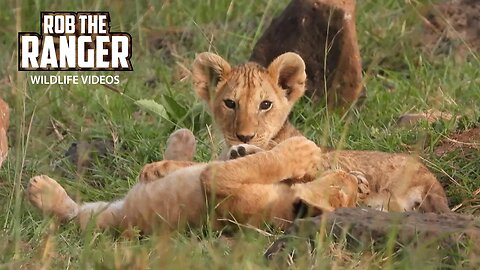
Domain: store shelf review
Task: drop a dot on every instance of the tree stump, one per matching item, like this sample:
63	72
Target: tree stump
363	226
323	33
4	123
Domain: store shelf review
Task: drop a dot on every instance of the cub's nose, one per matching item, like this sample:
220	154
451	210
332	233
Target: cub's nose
245	138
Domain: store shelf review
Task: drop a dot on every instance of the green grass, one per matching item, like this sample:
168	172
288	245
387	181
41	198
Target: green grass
398	78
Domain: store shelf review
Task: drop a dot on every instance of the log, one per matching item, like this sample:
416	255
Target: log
362	227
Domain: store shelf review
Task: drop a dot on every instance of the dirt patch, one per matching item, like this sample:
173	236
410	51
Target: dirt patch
453	26
4	123
365	226
323	32
467	140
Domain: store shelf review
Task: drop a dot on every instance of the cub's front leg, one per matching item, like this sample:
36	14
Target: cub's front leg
299	157
293	158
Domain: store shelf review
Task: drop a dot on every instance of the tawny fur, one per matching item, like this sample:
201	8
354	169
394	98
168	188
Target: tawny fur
248	85
251	188
399	182
248	188
181	145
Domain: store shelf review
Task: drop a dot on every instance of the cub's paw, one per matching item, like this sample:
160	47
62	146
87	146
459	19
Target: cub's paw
180	145
363	185
47	195
300	155
242	150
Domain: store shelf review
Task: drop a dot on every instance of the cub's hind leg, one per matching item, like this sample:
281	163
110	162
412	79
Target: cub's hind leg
179	154
50	197
47	195
181	145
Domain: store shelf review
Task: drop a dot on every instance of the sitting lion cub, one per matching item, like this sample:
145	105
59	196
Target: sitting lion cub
251	104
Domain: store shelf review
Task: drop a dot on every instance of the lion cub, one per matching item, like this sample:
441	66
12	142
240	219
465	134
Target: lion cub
250	189
250	105
173	194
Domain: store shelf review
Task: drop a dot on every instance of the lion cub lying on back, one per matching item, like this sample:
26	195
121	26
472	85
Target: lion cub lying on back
250	188
176	193
251	104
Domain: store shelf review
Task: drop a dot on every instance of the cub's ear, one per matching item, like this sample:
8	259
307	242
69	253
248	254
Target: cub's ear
208	70
288	70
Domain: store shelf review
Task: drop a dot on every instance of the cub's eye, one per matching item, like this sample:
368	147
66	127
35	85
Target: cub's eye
230	103
265	105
